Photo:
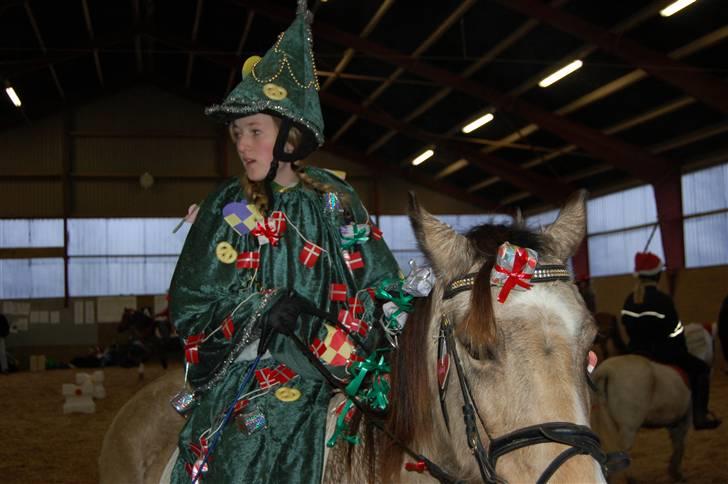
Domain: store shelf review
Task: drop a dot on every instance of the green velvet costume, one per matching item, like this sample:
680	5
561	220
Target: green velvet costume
205	291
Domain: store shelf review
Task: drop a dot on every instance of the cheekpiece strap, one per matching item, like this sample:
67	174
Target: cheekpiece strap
543	273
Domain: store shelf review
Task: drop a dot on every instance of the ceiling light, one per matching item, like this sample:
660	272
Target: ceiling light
425	155
675	7
470	127
13	96
561	73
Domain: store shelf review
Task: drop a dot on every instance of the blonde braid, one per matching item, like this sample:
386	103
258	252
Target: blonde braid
255	192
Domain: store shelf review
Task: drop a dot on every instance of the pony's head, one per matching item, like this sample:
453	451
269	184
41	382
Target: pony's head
525	358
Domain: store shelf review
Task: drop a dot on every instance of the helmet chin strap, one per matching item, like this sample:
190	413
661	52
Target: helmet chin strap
306	146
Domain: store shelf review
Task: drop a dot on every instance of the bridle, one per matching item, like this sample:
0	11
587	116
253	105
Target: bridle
579	438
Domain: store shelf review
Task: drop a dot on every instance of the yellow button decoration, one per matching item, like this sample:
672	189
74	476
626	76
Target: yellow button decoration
274	91
288	394
249	64
225	253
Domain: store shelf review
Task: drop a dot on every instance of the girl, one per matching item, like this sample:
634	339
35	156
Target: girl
282	228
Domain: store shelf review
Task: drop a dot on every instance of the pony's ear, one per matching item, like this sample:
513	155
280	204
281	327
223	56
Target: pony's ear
566	233
449	252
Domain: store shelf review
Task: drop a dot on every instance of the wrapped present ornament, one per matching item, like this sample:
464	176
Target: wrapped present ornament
419	281
394	317
270	230
353	234
514	266
183	401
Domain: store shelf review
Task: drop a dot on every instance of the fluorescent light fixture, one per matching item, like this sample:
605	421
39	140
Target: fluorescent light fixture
470	127
675	7
13	97
561	73
425	155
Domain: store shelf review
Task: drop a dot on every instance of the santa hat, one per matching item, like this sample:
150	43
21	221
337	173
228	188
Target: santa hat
647	264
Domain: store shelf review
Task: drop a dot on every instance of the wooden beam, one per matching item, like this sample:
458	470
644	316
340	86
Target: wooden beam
349	53
90	29
693	81
39	37
444	26
195	29
243	38
31	253
619	153
411	176
546	188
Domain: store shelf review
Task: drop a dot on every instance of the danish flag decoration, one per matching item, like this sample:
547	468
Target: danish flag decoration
192	353
376	233
309	254
355	305
353	260
267	377
337	292
248	260
228	328
352	323
514	266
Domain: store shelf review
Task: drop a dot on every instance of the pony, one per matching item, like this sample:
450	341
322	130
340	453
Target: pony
521	364
634	392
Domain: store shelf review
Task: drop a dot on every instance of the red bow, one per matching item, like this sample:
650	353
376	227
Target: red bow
268	231
515	276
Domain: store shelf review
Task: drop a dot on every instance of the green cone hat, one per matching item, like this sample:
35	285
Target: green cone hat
282	83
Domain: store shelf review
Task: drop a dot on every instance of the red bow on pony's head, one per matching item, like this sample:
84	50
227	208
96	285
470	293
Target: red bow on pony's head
514	266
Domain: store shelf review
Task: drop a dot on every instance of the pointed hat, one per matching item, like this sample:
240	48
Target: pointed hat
282	83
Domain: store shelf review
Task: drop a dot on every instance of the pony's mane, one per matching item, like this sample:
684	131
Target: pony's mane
410	412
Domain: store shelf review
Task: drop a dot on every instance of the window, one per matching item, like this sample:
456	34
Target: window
122	256
705	205
620	225
106	257
16	233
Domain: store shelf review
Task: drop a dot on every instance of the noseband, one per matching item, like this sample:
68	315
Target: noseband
579	439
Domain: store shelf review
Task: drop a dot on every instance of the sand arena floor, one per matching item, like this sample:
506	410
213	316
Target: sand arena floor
42	445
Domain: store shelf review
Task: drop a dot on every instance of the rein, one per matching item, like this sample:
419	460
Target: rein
579	438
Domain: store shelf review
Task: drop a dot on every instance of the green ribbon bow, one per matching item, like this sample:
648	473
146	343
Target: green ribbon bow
359	237
342	426
402	300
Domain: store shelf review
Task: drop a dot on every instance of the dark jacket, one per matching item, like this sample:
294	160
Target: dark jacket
4	326
653	326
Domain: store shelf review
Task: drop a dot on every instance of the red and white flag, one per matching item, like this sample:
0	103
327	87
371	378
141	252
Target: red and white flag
376	233
248	260
337	292
228	328
309	254
354	260
356	305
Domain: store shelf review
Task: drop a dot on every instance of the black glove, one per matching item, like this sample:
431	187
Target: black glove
282	318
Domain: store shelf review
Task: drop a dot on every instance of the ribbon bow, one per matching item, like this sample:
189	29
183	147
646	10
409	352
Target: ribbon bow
354	234
513	268
267	232
403	301
376	395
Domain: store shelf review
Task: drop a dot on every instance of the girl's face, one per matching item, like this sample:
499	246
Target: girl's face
254	138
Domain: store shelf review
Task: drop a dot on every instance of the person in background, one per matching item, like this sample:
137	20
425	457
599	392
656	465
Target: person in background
4	332
263	251
723	330
583	283
655	331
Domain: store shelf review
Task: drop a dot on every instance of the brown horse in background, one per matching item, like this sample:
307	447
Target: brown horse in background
525	361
